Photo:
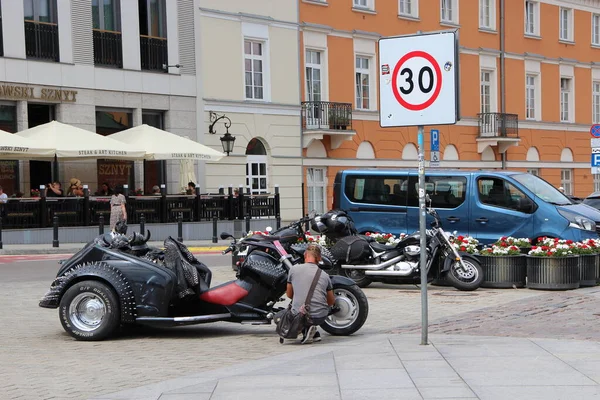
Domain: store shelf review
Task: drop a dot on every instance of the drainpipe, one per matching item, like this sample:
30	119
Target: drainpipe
502	73
300	84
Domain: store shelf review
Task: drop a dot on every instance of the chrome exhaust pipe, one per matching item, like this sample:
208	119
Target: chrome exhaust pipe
182	320
373	266
389	273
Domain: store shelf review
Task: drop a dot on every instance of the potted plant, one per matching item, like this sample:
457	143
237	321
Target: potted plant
35	193
524	244
503	267
588	263
552	267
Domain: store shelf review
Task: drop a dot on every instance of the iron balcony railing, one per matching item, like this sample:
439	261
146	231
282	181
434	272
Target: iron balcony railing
41	40
495	124
326	115
108	48
154	53
27	213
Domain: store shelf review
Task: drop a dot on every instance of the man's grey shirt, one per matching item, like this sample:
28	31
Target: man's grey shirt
301	277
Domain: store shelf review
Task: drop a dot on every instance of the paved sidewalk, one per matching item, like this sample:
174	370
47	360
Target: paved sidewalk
397	366
71	248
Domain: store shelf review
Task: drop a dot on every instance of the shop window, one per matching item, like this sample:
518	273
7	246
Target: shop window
154	171
114	172
9	169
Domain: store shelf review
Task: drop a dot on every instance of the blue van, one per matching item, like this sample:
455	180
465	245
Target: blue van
483	204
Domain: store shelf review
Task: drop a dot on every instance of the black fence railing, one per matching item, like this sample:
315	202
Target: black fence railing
154	53
26	213
108	48
498	125
326	115
41	40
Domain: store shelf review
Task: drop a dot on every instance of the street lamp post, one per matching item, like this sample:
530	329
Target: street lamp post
227	140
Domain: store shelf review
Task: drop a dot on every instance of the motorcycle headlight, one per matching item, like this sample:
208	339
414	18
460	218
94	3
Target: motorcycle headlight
577	221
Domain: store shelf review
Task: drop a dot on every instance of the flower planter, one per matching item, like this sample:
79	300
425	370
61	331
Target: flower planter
588	270
525	250
503	271
553	273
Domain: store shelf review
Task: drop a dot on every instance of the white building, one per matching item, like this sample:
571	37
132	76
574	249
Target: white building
249	70
101	65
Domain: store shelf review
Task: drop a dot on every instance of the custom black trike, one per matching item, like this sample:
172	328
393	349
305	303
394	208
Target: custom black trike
118	280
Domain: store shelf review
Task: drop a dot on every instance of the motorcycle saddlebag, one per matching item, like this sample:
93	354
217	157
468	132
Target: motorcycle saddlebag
351	249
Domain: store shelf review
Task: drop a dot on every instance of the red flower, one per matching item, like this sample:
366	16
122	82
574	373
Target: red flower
545	248
460	238
503	238
463	248
368	234
514	248
568	241
465	241
503	244
549	254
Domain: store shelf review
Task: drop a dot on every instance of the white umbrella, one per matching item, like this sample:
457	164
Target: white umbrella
76	143
163	145
14	147
187	173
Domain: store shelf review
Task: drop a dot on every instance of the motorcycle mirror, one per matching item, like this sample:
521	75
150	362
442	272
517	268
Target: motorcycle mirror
225	235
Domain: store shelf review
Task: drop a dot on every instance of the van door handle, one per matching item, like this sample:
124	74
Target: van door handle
482	220
453	219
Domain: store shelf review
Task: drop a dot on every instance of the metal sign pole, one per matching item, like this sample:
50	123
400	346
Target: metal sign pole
422	236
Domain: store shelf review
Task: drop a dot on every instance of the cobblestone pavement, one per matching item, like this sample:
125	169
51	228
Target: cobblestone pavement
565	315
40	361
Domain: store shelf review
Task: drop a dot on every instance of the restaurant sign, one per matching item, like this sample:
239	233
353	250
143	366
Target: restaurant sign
16	92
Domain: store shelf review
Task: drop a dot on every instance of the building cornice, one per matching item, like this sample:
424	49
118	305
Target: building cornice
245	17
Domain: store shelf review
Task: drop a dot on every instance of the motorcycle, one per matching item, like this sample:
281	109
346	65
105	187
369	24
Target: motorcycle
280	250
118	280
364	260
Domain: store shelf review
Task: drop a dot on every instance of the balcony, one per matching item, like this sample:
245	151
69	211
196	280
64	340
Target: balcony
497	129
154	53
108	48
41	40
324	118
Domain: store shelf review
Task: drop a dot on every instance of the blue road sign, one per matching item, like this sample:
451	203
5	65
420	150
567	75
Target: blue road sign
595	159
435	140
594	130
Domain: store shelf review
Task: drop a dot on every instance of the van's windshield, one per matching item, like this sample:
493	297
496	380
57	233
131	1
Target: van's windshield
542	189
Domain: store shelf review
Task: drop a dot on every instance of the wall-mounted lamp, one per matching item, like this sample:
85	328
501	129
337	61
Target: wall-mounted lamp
228	139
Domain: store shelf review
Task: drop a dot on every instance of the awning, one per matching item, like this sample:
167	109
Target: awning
163	145
14	147
75	143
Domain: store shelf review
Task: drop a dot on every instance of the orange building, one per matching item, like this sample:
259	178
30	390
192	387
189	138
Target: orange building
529	88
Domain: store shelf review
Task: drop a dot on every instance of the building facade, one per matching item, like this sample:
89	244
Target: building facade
529	88
249	71
101	65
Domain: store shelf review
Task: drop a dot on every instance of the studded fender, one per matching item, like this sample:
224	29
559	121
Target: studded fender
100	271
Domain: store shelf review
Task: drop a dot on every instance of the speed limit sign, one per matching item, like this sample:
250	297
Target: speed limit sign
420	86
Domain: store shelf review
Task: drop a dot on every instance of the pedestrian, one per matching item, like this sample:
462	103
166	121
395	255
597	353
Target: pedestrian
299	281
3	196
54	189
118	212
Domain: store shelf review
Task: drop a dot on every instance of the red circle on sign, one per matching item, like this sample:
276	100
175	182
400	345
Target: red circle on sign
438	83
595	130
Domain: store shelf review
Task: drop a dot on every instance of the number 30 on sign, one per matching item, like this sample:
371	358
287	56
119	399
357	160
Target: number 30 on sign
420	86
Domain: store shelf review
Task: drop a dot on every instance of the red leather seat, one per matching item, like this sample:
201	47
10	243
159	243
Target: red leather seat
226	294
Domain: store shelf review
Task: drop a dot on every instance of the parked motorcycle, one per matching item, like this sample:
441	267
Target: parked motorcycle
119	280
280	250
364	260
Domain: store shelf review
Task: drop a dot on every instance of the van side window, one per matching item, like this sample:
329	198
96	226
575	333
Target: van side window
500	193
380	189
444	191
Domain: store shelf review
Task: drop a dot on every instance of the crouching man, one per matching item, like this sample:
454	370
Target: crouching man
300	279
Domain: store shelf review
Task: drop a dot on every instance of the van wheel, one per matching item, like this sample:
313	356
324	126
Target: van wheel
357	275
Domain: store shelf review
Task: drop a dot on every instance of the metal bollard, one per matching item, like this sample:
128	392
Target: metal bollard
278	222
0	232
101	225
180	227
142	224
55	231
215	238
247	223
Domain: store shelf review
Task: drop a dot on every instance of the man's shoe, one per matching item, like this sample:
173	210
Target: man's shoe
317	337
308	338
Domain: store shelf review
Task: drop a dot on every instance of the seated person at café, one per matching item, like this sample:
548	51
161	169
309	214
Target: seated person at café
105	190
54	189
76	188
156	190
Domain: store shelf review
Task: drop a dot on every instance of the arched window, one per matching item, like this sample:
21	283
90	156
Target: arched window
533	154
566	155
409	152
488	154
256	167
450	153
316	149
365	151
